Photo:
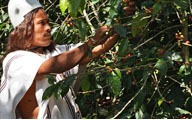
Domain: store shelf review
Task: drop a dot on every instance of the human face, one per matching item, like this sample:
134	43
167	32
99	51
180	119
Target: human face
42	29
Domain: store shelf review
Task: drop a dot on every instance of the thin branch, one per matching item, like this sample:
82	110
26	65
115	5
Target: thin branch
155	36
188	89
178	16
130	100
93	91
50	5
95	13
88	21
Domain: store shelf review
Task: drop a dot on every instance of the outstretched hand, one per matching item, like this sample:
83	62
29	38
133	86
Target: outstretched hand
102	33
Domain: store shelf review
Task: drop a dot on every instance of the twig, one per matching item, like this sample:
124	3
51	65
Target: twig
155	36
88	21
50	5
95	13
178	16
188	89
130	100
93	91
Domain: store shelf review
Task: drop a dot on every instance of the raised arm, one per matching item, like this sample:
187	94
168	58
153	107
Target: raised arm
79	55
64	61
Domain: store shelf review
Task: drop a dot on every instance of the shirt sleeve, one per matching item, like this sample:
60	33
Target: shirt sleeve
25	68
63	48
19	71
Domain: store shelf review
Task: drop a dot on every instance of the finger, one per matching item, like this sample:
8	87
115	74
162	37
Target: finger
104	29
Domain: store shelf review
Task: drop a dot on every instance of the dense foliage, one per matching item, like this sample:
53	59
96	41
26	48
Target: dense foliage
147	74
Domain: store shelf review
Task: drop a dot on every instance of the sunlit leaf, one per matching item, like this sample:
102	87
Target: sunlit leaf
162	66
182	111
114	81
160	101
95	1
182	69
63	4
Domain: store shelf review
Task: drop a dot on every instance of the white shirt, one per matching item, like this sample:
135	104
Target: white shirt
19	70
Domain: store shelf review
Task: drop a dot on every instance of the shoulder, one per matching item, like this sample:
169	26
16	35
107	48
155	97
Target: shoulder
19	55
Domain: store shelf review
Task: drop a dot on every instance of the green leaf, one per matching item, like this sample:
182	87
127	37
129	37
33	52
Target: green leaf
157	7
139	22
182	111
182	69
48	92
2	25
176	57
63	4
140	99
82	29
161	101
139	114
86	84
139	104
66	84
94	1
69	80
181	4
64	89
73	7
117	73
120	30
82	6
162	66
58	90
114	81
123	48
51	79
112	12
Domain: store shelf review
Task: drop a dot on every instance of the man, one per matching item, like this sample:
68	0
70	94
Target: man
30	55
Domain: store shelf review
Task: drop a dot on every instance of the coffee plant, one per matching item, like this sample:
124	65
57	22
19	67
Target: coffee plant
147	74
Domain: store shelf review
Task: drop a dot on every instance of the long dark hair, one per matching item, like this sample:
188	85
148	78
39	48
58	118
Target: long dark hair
21	37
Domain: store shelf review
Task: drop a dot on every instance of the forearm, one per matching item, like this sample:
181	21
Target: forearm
64	61
100	49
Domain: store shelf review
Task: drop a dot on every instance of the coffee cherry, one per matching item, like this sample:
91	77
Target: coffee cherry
187	42
130	7
71	23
